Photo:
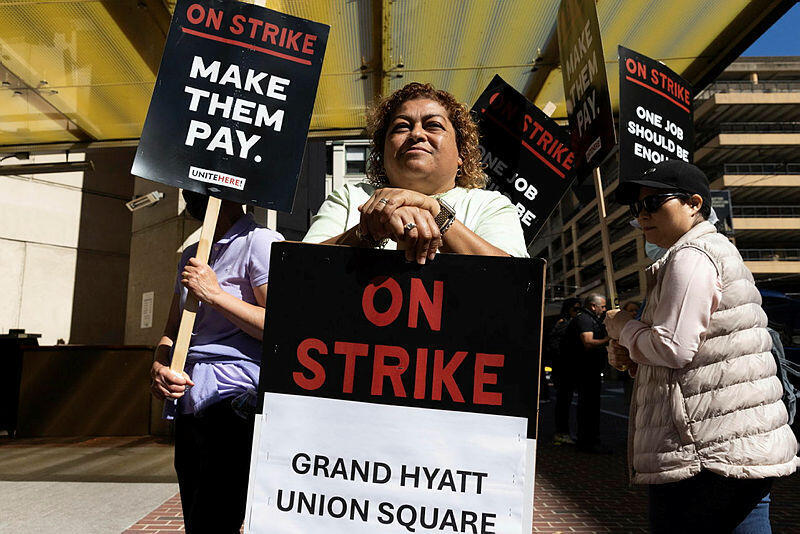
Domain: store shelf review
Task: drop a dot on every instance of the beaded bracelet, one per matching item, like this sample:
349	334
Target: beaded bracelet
369	240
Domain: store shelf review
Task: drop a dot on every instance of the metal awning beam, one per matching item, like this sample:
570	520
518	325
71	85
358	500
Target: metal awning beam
40	104
382	46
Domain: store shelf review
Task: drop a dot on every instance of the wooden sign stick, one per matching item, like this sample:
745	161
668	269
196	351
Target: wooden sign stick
611	287
190	307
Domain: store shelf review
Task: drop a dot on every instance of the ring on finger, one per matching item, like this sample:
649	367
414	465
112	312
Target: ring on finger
410	226
384	201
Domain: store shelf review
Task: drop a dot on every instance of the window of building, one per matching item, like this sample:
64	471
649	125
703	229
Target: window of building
355	158
558	267
628	287
625	256
567	238
592	273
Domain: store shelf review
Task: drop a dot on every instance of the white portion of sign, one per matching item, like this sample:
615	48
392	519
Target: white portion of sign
214	177
530	472
335	467
147	310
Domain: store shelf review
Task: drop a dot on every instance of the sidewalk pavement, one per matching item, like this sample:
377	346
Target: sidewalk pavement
111	485
81	485
579	492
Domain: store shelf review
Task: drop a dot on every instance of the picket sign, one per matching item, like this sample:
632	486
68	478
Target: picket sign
190	308
525	153
381	377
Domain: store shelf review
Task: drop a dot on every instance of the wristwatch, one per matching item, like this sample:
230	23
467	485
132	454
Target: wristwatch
446	216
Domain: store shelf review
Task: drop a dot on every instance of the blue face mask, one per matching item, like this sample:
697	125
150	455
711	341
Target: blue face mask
654	252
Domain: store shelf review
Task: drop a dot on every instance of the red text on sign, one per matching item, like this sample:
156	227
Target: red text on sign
419	298
390	364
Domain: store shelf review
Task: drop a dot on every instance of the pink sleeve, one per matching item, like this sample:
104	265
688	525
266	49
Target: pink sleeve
690	293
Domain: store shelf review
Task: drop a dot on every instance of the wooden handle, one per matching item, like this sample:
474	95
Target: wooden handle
611	286
190	307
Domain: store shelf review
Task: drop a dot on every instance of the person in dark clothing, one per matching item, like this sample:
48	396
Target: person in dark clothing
584	345
563	370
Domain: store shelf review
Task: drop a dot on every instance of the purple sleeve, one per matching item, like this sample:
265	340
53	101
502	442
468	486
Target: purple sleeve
258	262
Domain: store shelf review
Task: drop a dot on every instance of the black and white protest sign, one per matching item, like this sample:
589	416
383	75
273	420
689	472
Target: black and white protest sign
721	202
583	70
397	398
525	153
655	114
232	103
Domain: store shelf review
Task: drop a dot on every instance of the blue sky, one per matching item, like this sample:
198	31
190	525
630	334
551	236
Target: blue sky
781	39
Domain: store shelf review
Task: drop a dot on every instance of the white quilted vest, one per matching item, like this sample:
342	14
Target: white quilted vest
722	412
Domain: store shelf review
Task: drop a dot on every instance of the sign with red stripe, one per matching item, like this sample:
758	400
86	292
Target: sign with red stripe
232	103
655	114
527	156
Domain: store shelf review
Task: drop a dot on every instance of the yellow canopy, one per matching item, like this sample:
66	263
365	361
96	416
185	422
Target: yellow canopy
81	71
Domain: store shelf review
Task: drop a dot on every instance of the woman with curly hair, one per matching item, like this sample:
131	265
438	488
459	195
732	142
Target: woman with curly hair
425	188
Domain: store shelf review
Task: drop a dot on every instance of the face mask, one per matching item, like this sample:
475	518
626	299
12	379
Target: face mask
712	218
654	252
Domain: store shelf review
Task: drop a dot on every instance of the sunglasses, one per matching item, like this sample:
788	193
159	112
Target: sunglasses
652	203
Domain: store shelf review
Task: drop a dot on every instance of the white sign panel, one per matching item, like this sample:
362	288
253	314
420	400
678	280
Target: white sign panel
147	310
334	466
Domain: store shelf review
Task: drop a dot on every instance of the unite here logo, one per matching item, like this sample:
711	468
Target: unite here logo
215	177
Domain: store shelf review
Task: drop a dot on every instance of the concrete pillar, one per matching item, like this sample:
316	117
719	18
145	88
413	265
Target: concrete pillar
160	233
338	166
64	242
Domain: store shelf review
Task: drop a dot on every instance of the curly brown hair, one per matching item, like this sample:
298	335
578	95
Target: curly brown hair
471	173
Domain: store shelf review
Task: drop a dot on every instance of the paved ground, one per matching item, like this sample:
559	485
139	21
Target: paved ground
113	485
578	492
86	486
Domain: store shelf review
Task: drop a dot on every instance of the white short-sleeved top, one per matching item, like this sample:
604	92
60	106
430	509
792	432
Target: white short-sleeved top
487	213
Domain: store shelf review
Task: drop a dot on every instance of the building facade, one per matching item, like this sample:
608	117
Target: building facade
65	239
85	270
747	140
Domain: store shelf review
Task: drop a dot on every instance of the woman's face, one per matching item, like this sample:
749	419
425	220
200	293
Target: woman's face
674	218
420	150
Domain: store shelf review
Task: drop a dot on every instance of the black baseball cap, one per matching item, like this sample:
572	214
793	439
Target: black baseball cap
671	174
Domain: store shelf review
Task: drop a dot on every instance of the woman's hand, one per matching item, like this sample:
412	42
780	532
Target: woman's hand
619	357
615	321
166	383
378	210
415	228
201	281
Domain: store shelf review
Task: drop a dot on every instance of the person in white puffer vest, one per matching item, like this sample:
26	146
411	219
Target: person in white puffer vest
708	428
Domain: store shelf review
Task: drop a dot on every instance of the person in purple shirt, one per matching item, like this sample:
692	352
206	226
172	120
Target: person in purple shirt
213	400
